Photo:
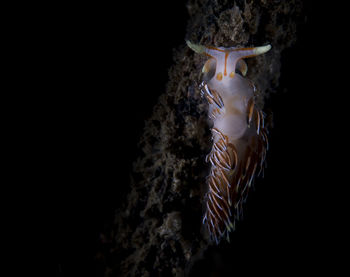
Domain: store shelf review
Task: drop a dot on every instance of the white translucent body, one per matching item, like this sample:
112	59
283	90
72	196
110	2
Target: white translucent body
235	93
239	135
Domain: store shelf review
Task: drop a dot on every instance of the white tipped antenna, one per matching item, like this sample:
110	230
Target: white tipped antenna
262	49
200	49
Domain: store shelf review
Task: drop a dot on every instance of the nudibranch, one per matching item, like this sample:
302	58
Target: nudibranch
239	134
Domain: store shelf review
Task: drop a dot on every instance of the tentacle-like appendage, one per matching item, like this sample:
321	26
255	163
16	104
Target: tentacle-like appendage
250	111
232	175
242	67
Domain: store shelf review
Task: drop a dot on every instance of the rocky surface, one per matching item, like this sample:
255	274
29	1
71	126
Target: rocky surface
158	230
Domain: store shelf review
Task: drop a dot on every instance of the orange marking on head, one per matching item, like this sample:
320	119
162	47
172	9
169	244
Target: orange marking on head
249	56
226	55
219	76
232	74
214	48
243	49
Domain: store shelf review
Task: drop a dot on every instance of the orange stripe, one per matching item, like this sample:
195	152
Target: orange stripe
238	49
214	48
249	56
226	55
244	49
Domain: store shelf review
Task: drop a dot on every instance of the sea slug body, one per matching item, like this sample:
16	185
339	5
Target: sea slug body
239	135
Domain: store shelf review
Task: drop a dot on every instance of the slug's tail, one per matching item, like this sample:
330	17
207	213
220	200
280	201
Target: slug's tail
232	173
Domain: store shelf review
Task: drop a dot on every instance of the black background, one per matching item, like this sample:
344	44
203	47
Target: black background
112	68
111	56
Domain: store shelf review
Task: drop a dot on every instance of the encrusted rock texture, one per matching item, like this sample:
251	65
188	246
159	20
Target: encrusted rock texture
158	231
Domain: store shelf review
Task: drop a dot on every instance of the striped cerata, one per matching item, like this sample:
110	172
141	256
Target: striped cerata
239	135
